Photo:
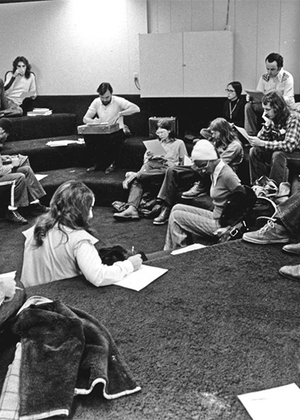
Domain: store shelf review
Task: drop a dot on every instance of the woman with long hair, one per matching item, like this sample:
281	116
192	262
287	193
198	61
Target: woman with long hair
20	85
154	169
61	244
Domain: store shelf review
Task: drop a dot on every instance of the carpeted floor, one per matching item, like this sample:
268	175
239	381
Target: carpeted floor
221	322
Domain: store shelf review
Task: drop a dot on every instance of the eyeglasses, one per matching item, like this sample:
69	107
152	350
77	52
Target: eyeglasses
229	90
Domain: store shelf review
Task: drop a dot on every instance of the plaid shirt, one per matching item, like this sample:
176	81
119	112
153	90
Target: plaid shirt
285	137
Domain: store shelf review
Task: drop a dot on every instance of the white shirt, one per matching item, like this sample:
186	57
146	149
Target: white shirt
107	113
62	257
19	86
283	83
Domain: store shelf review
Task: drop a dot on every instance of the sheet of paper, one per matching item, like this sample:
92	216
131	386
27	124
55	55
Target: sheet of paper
256	94
187	161
273	404
60	143
142	277
188	248
9	275
155	147
40	176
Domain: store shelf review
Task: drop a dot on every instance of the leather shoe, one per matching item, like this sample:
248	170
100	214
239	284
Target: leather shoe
292	248
93	168
290	272
111	168
163	217
14	216
128	214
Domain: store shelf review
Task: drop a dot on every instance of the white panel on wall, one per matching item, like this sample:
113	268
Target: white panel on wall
208	62
161	71
74	45
188	64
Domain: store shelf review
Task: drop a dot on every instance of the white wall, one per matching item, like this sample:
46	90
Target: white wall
259	27
74	45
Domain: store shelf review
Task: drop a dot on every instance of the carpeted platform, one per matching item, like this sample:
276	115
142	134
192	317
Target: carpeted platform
221	322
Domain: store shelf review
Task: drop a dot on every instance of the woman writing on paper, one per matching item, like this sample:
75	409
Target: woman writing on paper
61	245
20	86
153	170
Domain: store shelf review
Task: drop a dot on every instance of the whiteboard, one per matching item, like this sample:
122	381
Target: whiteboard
186	64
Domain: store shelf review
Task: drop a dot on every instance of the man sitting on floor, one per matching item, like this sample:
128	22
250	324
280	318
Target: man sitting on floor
280	229
25	188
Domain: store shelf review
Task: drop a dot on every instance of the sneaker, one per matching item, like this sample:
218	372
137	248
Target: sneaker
37	209
128	214
196	190
14	216
270	233
163	217
93	168
110	169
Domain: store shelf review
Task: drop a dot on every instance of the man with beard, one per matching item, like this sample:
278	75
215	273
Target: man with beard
104	149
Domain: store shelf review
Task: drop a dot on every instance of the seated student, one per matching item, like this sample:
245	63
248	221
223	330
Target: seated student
18	82
154	169
187	220
233	112
229	149
276	148
26	189
282	228
61	245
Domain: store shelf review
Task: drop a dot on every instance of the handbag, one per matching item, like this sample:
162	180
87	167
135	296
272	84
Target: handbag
234	232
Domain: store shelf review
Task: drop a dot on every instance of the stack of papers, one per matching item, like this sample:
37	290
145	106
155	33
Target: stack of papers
39	111
141	278
59	143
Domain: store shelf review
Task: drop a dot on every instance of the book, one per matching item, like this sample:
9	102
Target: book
255	94
155	147
242	131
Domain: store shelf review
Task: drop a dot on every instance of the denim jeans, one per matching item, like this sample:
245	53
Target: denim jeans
289	214
253	113
274	164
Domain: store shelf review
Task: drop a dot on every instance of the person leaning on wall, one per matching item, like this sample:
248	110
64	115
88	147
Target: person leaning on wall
104	149
20	86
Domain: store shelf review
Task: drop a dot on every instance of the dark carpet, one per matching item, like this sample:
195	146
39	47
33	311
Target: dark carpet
221	322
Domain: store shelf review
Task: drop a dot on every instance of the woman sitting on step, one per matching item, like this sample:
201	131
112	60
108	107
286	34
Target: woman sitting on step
229	149
153	170
61	245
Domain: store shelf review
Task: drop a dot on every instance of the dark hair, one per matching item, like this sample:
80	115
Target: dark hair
69	207
167	125
104	87
227	135
275	57
6	124
277	102
25	61
237	86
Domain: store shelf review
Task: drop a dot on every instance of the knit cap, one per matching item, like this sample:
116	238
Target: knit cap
204	150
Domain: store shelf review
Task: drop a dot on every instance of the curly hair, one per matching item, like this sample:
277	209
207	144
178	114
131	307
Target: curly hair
69	207
25	61
276	101
227	135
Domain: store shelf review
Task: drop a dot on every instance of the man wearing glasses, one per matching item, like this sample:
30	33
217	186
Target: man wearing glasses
275	79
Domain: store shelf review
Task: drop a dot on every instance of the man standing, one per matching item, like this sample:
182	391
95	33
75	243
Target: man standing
108	108
276	148
25	188
275	79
